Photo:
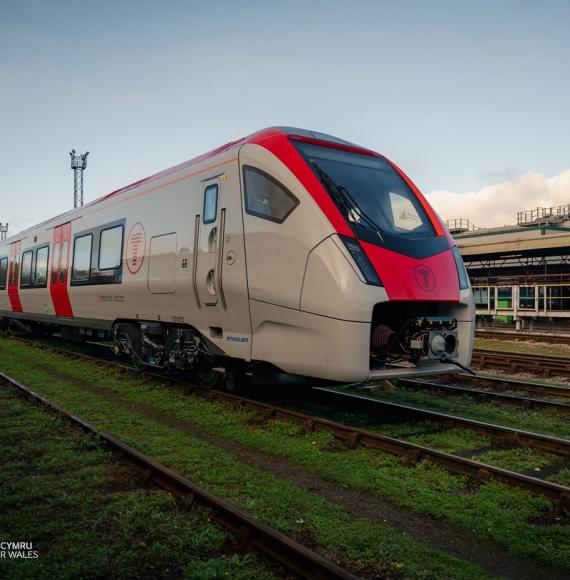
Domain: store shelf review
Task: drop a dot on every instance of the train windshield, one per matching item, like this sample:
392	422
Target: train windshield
375	200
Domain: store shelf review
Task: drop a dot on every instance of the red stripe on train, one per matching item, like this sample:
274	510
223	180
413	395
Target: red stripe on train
60	271
14	277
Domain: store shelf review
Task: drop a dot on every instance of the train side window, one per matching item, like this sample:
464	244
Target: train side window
3	273
81	258
265	197
55	264
110	248
14	269
63	266
41	267
210	204
26	272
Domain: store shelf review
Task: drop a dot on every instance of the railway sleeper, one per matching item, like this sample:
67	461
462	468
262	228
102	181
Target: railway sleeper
547	471
470	453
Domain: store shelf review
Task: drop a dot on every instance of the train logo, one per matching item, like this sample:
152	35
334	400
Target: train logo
136	244
425	278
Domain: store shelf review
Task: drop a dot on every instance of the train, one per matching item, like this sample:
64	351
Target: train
287	252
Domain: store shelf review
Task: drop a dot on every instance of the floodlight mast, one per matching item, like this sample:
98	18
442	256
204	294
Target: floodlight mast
3	231
78	164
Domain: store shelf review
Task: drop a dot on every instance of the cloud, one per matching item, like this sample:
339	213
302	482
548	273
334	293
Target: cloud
498	204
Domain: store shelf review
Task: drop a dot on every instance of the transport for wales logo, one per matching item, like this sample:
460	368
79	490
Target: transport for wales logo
425	278
12	550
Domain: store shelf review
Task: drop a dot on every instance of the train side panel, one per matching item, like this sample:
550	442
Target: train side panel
169	208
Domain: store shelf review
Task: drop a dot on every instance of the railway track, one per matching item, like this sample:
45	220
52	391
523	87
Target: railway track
550	366
523	336
249	532
517	437
354	437
503	383
524	402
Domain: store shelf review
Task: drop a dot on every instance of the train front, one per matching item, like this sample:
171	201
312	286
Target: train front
415	285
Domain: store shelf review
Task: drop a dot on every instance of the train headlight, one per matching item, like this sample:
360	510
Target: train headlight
437	345
461	271
361	260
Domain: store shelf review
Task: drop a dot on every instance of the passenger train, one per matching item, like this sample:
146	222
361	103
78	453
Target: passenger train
288	251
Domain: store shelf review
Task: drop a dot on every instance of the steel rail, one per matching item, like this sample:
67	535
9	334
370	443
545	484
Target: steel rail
351	436
539	389
524	402
522	336
561	360
250	532
516	436
515	362
354	437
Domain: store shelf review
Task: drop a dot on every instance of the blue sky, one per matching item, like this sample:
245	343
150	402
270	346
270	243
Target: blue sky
461	95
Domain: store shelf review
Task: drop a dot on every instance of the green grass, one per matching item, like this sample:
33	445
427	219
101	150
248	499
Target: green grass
522	347
364	546
65	494
543	421
519	459
451	440
562	477
491	512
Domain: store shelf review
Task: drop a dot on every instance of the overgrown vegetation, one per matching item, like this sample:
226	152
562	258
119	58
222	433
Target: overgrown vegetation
548	422
87	518
362	545
527	347
492	511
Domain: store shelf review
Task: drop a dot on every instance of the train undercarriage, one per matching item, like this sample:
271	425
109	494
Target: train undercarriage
403	335
171	347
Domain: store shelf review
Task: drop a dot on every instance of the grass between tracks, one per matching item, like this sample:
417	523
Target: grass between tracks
365	547
86	518
546	421
451	440
519	347
491	512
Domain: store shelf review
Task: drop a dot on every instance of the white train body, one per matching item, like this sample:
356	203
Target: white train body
241	255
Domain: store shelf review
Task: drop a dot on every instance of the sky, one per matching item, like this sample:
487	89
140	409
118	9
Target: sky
469	98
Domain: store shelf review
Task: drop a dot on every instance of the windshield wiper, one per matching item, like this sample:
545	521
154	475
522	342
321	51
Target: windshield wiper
342	197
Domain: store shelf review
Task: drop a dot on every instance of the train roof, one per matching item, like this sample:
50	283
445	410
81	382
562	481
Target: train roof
257	138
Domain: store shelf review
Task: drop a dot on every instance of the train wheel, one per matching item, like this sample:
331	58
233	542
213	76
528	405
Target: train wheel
236	377
209	379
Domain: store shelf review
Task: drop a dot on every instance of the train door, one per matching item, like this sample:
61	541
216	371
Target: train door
14	277
60	271
219	269
208	274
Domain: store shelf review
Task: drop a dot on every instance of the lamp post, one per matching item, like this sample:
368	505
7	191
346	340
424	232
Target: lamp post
3	231
78	164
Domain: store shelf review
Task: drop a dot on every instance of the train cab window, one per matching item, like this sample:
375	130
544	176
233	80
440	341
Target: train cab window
41	267
110	248
404	215
210	204
82	258
3	273
265	197
26	272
